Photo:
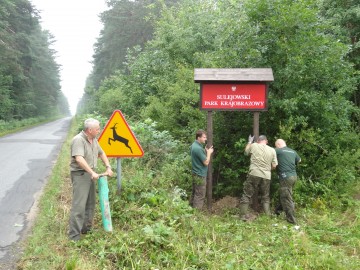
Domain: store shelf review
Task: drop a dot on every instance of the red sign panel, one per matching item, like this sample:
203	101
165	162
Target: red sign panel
226	96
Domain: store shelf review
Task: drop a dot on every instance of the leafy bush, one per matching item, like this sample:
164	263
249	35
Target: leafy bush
309	101
95	115
16	125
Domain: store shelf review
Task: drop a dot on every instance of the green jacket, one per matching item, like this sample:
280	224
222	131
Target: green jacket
288	159
198	156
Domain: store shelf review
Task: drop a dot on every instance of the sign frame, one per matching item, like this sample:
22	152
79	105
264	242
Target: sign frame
231	76
120	155
230	84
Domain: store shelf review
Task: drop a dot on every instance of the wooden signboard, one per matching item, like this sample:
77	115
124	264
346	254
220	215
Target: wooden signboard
232	89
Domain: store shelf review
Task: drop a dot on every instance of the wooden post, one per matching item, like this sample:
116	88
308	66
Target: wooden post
255	198
209	174
256	125
218	85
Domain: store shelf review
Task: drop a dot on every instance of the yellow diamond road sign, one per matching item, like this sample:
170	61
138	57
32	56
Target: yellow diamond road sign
117	139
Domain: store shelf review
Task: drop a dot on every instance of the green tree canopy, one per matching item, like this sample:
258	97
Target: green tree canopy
126	24
310	100
29	74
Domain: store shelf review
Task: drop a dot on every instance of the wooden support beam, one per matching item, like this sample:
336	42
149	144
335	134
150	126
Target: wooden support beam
209	183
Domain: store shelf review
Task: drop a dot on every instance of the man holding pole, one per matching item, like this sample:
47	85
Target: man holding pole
288	159
262	160
85	150
200	159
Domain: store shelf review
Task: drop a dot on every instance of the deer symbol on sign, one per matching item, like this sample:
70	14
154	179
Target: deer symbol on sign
118	138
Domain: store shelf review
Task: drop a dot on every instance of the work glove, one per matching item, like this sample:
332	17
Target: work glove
251	138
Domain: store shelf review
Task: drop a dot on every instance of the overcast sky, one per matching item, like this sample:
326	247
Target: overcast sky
76	26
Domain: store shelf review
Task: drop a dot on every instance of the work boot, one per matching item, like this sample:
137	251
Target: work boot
290	217
244	211
86	231
266	207
278	210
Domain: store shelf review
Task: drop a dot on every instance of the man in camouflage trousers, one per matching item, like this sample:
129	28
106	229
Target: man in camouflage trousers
262	161
286	169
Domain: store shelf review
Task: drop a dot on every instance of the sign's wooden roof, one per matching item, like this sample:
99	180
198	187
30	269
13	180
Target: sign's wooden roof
233	75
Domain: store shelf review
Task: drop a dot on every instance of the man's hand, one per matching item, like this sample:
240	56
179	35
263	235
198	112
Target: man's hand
95	176
210	150
109	172
251	138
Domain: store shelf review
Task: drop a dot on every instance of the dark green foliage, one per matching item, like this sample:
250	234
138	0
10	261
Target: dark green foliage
165	157
95	115
344	16
29	75
126	24
311	101
155	228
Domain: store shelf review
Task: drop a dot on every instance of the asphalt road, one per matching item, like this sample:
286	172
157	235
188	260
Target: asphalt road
26	161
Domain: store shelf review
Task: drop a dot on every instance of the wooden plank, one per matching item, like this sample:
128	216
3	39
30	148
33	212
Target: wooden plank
256	125
255	197
209	184
233	74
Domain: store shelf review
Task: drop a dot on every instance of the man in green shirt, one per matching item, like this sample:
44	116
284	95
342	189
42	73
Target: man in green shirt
288	159
200	159
85	151
262	161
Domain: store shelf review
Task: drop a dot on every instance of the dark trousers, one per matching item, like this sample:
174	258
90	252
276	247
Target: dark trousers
83	204
286	198
253	183
198	191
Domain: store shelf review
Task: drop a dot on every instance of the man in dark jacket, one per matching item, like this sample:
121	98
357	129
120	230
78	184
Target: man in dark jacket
288	159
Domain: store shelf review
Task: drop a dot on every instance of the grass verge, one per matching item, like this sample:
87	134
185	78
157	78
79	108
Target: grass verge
154	228
19	125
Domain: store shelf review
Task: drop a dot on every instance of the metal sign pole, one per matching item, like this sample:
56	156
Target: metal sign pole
118	172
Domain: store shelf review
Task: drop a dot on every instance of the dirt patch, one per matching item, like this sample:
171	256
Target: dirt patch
357	196
225	204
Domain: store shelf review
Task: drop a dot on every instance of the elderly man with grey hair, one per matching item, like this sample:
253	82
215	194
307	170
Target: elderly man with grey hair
262	161
288	159
85	151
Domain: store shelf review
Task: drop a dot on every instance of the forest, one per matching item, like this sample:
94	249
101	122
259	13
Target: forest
143	65
29	75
